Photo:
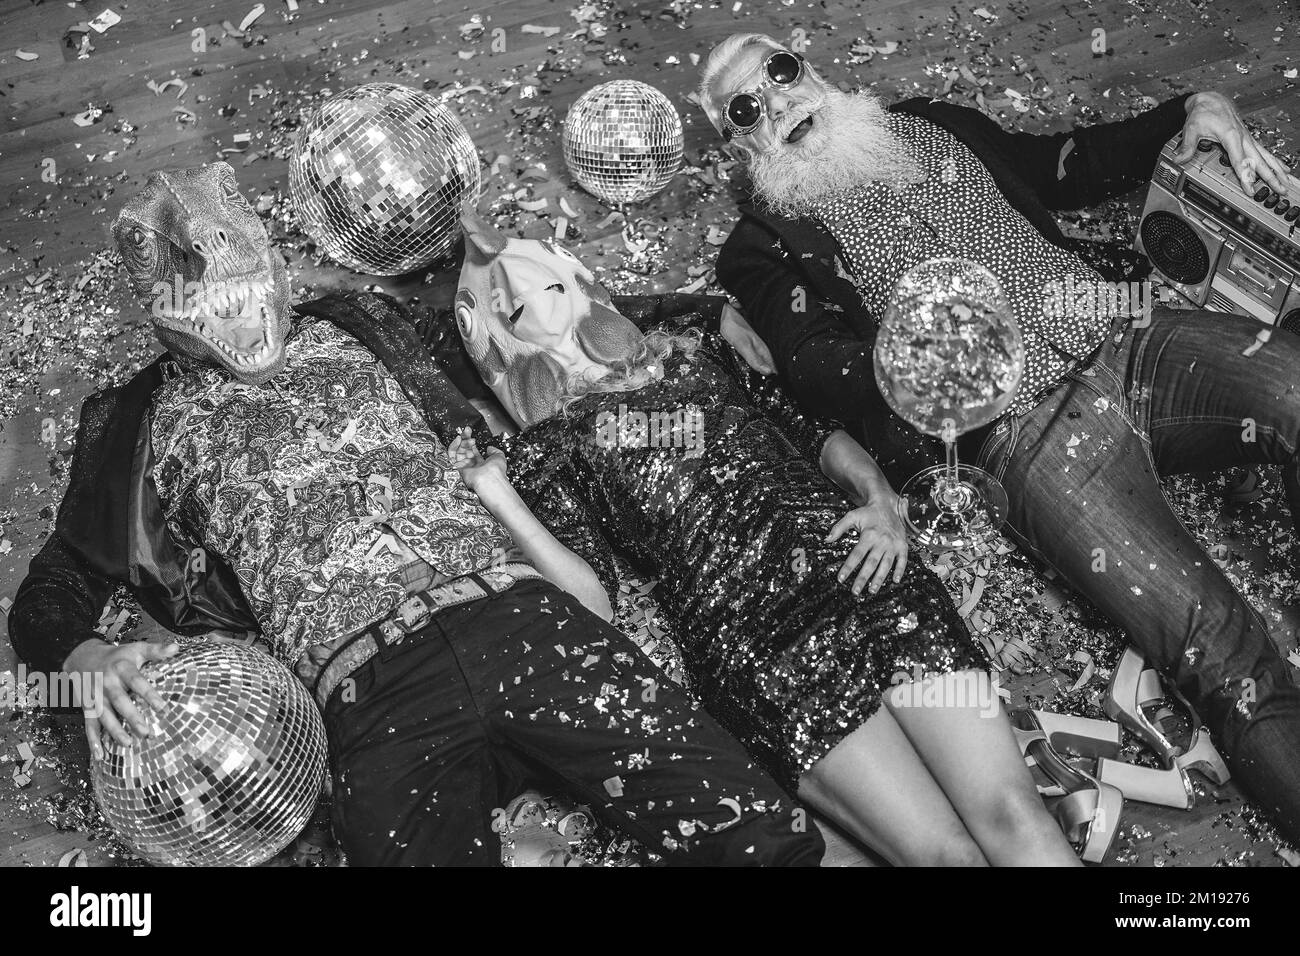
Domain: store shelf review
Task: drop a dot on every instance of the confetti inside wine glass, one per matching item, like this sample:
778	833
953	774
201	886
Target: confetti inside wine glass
948	359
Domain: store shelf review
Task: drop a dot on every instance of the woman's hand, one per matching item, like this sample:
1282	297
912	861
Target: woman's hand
476	471
107	674
1213	116
745	341
489	479
882	543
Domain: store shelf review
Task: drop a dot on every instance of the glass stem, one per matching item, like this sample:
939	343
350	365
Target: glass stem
950	446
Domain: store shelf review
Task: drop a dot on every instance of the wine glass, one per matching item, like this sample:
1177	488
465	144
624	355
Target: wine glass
948	359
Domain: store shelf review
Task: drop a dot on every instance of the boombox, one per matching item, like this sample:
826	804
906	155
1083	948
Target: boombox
1217	246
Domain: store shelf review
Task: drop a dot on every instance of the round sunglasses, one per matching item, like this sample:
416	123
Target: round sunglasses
745	111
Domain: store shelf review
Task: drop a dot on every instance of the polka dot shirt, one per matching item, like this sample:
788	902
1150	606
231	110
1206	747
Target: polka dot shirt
959	211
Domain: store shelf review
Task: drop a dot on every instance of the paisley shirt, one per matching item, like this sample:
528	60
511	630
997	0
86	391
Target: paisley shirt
319	489
959	211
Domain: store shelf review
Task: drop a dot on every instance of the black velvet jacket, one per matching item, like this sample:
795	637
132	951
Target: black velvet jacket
110	529
768	258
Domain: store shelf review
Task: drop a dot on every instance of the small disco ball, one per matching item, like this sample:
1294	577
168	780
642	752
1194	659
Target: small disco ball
623	141
379	175
232	770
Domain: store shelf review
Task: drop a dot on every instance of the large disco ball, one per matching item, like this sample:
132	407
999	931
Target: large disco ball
379	175
234	766
623	141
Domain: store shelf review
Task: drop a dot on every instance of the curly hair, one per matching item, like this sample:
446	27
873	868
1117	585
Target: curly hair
641	366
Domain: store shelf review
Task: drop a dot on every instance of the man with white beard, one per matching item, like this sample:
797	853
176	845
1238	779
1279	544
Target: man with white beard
848	195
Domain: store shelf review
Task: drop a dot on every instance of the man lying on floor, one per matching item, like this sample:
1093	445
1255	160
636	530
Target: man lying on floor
308	452
849	195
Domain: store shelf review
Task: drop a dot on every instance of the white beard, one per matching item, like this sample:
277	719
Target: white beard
848	146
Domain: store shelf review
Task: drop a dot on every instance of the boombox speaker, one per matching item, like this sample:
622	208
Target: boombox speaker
1217	246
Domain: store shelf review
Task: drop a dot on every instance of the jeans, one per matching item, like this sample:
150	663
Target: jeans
430	739
1081	468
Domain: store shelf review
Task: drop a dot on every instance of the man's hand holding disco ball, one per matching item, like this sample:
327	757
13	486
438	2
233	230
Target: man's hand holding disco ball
107	674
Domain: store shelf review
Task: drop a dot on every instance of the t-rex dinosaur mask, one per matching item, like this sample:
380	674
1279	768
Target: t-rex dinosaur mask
531	315
202	263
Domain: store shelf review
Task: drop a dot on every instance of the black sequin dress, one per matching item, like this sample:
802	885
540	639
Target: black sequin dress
732	522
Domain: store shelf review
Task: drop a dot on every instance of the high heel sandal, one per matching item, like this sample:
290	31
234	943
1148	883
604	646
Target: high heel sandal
1166	788
1203	757
1133	688
1066	733
1099	740
1124	701
1089	810
1080	736
1200	754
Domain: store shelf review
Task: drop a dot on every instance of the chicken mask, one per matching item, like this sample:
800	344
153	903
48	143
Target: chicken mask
531	316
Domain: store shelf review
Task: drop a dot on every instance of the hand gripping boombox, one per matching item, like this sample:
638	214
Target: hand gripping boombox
1217	246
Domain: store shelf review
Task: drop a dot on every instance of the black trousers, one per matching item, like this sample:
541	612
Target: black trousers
432	737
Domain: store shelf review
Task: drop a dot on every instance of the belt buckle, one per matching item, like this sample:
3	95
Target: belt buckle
413	613
497	579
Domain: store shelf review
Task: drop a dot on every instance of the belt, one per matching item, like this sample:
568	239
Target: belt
409	618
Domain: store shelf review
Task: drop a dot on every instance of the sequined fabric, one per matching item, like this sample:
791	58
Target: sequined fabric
729	511
318	489
959	211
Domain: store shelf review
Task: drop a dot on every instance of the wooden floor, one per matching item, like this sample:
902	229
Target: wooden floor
66	327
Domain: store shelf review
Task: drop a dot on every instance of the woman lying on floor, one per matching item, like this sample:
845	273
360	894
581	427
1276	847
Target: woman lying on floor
795	636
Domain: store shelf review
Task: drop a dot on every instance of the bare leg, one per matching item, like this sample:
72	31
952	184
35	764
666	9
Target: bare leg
961	733
874	785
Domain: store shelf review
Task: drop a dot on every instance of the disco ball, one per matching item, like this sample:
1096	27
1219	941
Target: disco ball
232	770
379	175
623	141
